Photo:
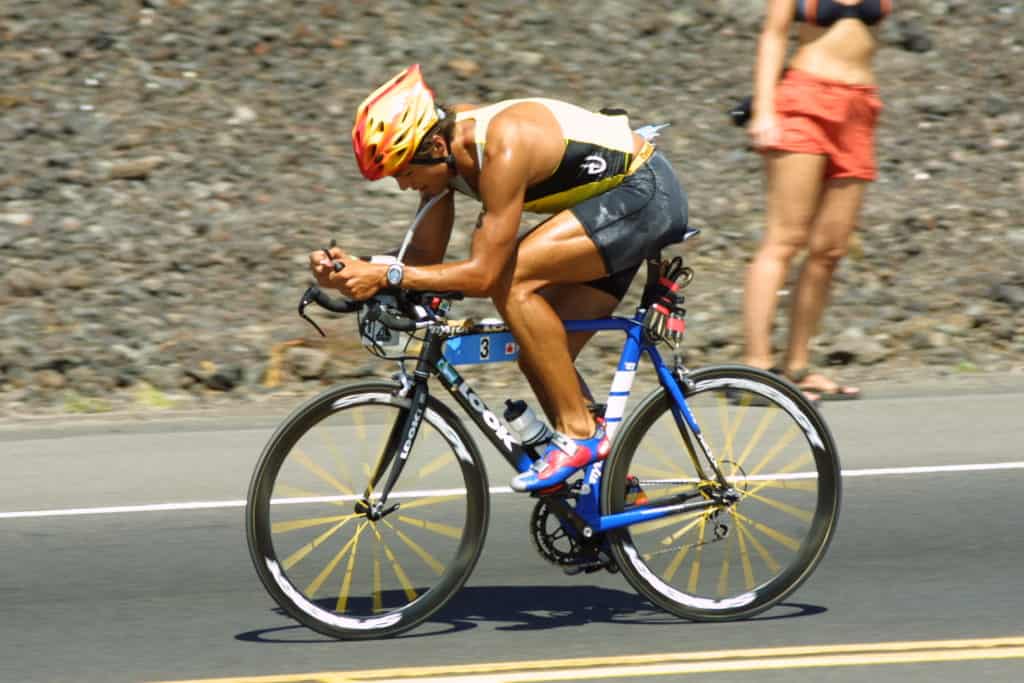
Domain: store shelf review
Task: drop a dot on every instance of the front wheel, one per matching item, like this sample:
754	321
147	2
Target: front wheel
761	535
347	569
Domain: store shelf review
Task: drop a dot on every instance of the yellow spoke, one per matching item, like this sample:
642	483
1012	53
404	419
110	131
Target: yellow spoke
431	500
436	464
436	527
359	421
784	441
420	551
789	484
331	446
655	524
683	445
296	492
768	558
653	488
797	463
762	425
322	473
730	432
748	572
668	540
664	458
346	583
777	536
802	515
804	458
315	585
296	524
695	567
378	592
677	561
649	471
723	576
301	553
410	592
283	491
378	603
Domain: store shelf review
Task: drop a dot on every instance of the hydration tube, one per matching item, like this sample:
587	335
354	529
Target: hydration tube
416	221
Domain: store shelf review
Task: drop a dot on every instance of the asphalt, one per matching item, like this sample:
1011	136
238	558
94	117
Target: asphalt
160	595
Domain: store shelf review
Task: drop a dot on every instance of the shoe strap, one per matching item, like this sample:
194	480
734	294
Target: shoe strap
563	443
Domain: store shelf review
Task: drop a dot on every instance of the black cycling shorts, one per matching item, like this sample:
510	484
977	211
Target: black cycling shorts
633	221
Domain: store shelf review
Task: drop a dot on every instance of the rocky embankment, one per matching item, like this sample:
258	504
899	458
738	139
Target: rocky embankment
169	163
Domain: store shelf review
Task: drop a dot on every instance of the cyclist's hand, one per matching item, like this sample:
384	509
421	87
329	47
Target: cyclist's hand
763	130
321	263
357	279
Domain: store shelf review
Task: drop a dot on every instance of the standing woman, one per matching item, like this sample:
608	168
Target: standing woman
814	125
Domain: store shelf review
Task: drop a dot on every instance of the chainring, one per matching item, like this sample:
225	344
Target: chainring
561	546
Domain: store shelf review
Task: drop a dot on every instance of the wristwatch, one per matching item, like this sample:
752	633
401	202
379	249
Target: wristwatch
395	273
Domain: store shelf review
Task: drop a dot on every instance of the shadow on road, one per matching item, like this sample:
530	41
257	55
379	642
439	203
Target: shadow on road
532	608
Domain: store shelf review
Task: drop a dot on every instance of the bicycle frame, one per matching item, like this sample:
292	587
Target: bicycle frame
432	360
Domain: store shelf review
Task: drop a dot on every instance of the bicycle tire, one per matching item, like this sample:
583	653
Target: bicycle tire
731	392
287	466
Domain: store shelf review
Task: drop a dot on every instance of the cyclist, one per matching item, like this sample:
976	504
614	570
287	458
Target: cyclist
613	201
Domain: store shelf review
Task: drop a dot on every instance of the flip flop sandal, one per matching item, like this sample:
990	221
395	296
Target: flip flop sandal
840	393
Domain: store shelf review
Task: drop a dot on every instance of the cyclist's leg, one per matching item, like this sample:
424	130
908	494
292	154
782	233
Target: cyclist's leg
559	252
607	233
572	302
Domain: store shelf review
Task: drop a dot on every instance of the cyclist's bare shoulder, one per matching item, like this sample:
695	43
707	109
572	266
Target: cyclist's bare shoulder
525	139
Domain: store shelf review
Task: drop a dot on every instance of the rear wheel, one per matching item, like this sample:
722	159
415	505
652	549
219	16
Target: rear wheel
741	555
329	561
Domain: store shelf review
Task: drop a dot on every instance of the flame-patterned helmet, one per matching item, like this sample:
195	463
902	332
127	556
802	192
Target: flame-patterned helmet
391	122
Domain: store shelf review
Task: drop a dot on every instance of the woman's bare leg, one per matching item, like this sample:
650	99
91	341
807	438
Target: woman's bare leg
836	220
793	188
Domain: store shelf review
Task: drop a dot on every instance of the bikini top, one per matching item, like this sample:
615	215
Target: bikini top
828	12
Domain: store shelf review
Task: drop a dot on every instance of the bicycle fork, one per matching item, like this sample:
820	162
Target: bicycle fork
394	455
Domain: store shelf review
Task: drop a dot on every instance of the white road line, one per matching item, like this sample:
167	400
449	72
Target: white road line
210	505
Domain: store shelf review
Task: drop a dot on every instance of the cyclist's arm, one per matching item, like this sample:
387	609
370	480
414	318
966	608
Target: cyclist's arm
502	188
430	242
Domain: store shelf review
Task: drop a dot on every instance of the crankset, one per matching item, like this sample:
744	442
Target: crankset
561	544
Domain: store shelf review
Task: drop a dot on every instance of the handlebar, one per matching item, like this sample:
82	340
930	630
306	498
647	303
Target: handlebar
375	310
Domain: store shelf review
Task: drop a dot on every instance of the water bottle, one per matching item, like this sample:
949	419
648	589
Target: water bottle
531	431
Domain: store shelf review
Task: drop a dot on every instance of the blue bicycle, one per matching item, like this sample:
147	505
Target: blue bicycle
369	506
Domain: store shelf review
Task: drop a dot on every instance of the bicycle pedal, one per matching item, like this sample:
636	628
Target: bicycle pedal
557	488
590	566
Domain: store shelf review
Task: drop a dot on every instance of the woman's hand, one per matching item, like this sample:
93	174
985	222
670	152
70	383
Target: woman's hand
763	130
357	279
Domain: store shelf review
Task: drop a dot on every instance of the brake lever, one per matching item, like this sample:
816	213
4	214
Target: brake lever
307	299
337	265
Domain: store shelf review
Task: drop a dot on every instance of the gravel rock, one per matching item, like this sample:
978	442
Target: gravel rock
307	363
166	170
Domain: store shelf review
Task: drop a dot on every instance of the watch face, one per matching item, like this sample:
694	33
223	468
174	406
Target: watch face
394	275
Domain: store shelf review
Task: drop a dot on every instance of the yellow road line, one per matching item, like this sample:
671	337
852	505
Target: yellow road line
671	663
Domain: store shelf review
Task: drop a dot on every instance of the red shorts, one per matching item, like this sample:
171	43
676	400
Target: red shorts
819	116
